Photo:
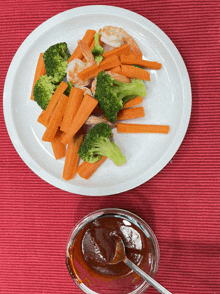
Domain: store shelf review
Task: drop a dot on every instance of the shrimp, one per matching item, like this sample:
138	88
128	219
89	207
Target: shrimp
118	77
115	37
93	120
93	86
77	65
86	90
90	60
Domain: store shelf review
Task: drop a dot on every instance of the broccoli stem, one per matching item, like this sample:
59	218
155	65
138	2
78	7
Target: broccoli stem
105	147
136	87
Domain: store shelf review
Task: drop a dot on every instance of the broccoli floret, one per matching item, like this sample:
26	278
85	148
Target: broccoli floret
55	60
110	93
97	143
97	50
43	91
98	59
107	98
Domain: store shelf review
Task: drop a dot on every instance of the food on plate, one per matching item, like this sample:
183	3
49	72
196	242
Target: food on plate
86	169
88	39
44	90
55	60
40	71
47	113
84	95
116	37
97	143
71	160
77	65
97	50
125	59
110	93
85	109
140	128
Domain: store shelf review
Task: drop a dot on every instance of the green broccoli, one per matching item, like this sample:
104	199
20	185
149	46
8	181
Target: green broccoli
110	94
97	143
97	50
43	91
55	60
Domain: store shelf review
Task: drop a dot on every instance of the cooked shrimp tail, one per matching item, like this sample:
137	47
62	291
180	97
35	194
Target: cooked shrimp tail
118	77
93	120
84	48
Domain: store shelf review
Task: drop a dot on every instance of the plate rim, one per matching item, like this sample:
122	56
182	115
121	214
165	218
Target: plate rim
119	188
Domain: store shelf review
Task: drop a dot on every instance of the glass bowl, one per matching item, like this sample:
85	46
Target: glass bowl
129	283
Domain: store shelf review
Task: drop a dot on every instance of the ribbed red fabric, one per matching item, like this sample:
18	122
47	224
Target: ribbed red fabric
181	203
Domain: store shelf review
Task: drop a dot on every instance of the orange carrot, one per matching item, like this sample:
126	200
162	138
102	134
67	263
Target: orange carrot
135	72
141	128
124	49
116	69
85	109
132	59
88	38
133	102
46	115
59	149
93	44
95	69
75	99
40	71
41	119
72	157
130	113
55	120
86	170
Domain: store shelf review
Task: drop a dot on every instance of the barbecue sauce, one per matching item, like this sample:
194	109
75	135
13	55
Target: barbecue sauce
93	248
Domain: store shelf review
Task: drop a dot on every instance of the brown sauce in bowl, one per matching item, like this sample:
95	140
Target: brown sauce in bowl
93	249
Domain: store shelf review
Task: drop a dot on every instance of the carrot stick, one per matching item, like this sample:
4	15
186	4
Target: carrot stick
46	115
85	109
130	113
116	69
133	102
75	99
41	119
40	71
93	44
141	128
135	72
124	49
86	169
72	157
55	120
95	69
88	38
132	59
59	149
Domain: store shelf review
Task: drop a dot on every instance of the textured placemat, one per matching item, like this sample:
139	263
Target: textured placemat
181	203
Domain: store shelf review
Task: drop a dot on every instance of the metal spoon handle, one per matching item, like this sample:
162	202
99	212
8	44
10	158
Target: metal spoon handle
146	277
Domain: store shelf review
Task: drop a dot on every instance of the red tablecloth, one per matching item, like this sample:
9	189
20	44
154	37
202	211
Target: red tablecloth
181	203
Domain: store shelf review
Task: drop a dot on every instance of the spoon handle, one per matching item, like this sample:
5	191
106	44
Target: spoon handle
146	277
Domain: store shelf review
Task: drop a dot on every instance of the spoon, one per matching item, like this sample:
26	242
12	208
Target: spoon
121	256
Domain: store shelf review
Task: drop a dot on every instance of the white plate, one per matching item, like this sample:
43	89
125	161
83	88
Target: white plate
168	102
